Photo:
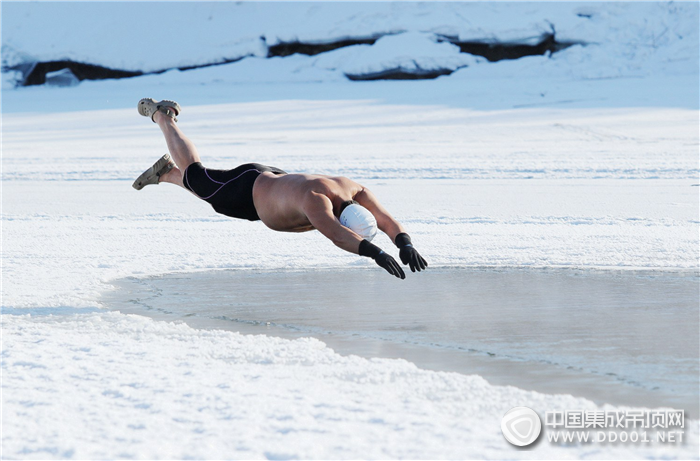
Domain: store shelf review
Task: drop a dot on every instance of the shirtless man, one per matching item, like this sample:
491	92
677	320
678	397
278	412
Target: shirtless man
283	202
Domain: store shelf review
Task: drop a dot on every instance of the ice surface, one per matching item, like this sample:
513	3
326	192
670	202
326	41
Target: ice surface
580	188
585	159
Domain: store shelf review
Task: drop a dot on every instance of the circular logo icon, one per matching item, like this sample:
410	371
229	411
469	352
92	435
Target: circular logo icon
521	426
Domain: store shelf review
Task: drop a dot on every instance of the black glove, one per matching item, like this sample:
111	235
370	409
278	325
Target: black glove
408	254
382	259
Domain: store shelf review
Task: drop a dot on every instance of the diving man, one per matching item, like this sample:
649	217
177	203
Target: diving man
342	210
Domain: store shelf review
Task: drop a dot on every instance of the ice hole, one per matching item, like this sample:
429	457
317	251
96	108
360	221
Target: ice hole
627	338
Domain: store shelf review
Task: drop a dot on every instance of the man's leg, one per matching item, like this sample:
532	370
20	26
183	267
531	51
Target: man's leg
171	167
182	150
173	176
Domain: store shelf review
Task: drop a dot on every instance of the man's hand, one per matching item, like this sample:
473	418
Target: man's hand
408	254
387	262
381	258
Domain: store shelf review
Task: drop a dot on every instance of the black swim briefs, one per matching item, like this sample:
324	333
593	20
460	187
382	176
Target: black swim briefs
230	192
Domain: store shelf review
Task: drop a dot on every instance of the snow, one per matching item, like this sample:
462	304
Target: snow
586	158
408	51
620	37
110	385
583	157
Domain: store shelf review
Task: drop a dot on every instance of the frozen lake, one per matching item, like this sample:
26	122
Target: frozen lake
626	338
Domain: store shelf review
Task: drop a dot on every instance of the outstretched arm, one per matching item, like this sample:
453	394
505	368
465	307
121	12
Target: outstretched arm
385	221
393	229
319	210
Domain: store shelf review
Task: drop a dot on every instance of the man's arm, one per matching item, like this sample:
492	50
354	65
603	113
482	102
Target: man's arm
319	210
385	221
393	229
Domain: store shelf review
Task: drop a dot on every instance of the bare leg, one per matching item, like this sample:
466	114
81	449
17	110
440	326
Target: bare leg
173	176
182	150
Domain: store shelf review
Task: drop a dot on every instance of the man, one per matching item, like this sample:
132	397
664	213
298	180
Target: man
283	202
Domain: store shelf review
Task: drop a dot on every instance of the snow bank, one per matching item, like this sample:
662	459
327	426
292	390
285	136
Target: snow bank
621	39
134	388
409	52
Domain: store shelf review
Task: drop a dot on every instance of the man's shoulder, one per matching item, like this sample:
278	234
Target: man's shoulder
332	185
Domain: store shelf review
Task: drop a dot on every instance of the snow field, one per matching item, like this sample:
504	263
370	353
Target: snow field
135	388
578	189
108	385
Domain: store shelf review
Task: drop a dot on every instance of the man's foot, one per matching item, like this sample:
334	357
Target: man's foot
149	106
153	174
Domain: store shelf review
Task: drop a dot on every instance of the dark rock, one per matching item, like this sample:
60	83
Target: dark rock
498	51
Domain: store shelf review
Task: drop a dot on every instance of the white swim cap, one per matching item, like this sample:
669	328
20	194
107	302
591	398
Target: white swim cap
358	219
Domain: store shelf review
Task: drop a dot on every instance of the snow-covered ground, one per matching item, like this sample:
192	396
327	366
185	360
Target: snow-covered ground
586	158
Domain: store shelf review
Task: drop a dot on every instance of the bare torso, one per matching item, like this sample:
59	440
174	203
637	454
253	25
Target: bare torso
279	199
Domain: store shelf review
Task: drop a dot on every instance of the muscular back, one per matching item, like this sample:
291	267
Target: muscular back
279	199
